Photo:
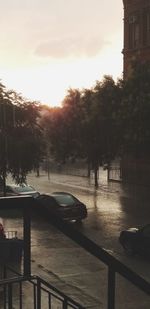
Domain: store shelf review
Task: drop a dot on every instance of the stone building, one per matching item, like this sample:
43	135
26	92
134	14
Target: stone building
136	32
136	47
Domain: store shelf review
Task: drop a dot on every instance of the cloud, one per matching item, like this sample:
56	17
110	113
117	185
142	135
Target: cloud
57	28
71	47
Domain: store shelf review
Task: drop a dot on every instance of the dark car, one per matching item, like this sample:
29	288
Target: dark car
62	205
136	240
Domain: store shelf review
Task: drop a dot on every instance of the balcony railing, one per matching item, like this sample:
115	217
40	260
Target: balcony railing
33	293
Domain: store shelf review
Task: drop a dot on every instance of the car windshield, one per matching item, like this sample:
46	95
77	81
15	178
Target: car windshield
65	200
22	188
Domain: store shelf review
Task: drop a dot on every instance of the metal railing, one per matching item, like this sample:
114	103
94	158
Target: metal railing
114	265
33	293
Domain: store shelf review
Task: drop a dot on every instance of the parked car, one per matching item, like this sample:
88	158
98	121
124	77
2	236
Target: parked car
136	240
62	205
23	189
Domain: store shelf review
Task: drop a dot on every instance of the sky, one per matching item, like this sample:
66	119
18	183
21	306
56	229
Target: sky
49	46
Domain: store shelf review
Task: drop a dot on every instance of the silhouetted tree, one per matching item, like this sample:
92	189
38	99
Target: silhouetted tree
21	145
101	135
136	111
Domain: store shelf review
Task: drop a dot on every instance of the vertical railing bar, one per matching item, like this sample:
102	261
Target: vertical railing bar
111	288
35	293
38	294
65	302
5	296
49	301
20	295
5	287
10	296
27	241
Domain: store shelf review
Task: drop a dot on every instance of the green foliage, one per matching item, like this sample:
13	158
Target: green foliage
96	124
86	126
21	144
136	111
101	130
62	127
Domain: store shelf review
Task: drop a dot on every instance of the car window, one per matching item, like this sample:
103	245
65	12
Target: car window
146	231
48	200
65	199
23	189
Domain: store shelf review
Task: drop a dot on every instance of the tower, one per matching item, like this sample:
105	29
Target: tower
136	32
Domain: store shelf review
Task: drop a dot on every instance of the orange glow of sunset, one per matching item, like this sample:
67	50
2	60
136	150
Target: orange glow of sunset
49	46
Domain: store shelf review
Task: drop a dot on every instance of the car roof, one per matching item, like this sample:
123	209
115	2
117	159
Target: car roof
60	193
17	185
45	195
20	186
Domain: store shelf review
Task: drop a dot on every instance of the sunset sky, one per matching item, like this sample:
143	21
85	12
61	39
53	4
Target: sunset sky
48	46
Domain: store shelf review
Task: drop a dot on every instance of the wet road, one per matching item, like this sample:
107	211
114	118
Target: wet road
111	208
60	261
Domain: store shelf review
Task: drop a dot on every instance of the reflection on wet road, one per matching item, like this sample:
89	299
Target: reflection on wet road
111	208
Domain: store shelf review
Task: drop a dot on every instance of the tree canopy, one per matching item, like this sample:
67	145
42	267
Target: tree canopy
97	124
20	135
135	111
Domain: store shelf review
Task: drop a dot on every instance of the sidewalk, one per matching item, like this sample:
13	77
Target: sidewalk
43	183
79	182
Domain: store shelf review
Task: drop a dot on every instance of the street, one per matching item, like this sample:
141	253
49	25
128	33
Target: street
59	260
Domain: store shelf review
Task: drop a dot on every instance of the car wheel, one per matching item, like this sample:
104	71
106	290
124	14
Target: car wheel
128	247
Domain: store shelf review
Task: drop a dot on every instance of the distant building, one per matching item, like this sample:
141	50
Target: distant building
136	47
136	32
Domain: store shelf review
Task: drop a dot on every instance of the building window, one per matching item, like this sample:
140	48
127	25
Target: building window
146	27
134	32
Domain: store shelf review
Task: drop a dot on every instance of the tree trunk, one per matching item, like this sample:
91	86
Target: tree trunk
4	182
37	172
89	170
96	175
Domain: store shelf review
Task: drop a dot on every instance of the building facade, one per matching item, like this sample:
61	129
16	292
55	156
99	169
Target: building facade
136	47
136	33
